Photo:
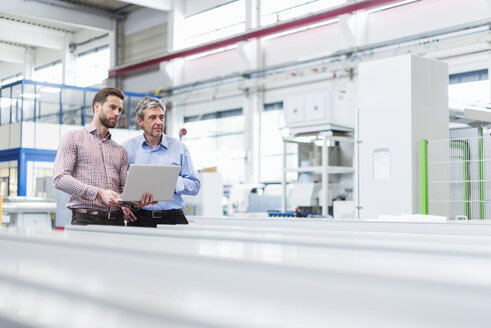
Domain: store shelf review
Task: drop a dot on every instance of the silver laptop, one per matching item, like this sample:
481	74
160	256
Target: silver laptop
160	180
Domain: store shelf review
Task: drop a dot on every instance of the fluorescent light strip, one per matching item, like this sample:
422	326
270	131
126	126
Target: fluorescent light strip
304	28
49	90
402	3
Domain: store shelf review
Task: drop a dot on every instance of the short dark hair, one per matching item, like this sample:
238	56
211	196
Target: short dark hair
101	96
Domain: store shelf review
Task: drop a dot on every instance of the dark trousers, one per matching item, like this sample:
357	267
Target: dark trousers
152	218
85	219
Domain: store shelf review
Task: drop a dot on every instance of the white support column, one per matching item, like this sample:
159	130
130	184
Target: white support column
114	44
251	54
252	134
68	61
175	26
173	72
346	23
29	62
253	13
354	28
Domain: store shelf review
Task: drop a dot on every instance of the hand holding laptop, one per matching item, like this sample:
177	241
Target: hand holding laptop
148	181
147	199
109	197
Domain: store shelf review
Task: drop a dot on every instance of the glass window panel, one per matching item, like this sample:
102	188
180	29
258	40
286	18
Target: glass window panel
4	181
92	67
5	106
13	181
89	112
272	132
275	11
37	170
11	79
201	129
230	124
48	105
215	23
16	105
73	105
8	105
470	93
28	99
51	73
133	102
232	170
218	142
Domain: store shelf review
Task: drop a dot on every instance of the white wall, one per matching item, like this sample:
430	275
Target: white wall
146	82
44	56
142	19
9	69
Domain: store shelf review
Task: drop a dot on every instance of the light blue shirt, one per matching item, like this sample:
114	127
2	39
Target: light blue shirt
170	151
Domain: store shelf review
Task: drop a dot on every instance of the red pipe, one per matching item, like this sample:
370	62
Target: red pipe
258	33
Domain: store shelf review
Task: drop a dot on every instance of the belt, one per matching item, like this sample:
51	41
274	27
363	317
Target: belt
160	214
118	214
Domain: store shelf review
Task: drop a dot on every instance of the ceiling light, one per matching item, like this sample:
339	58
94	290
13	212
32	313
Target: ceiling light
397	4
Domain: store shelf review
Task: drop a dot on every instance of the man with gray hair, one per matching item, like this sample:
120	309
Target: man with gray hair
154	147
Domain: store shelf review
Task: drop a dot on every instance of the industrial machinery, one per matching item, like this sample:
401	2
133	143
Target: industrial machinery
321	125
28	213
252	198
326	163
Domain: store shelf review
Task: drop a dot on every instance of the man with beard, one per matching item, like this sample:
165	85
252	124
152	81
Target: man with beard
91	167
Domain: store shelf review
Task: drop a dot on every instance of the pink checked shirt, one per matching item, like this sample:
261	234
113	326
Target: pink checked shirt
84	163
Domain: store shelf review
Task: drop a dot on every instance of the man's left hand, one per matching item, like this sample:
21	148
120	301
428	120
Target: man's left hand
147	199
128	214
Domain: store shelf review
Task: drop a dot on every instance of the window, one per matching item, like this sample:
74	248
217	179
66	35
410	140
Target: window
217	140
470	88
272	133
52	73
276	11
8	178
11	79
92	66
36	176
215	23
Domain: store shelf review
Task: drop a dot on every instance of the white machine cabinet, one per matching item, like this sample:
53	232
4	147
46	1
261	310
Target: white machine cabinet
324	168
402	100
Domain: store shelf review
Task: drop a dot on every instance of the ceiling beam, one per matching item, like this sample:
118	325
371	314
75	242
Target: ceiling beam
255	33
31	35
165	5
12	54
50	11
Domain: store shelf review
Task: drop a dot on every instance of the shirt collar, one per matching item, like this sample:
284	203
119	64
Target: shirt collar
163	142
93	130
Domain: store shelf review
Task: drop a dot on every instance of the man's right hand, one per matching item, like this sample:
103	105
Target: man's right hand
109	197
